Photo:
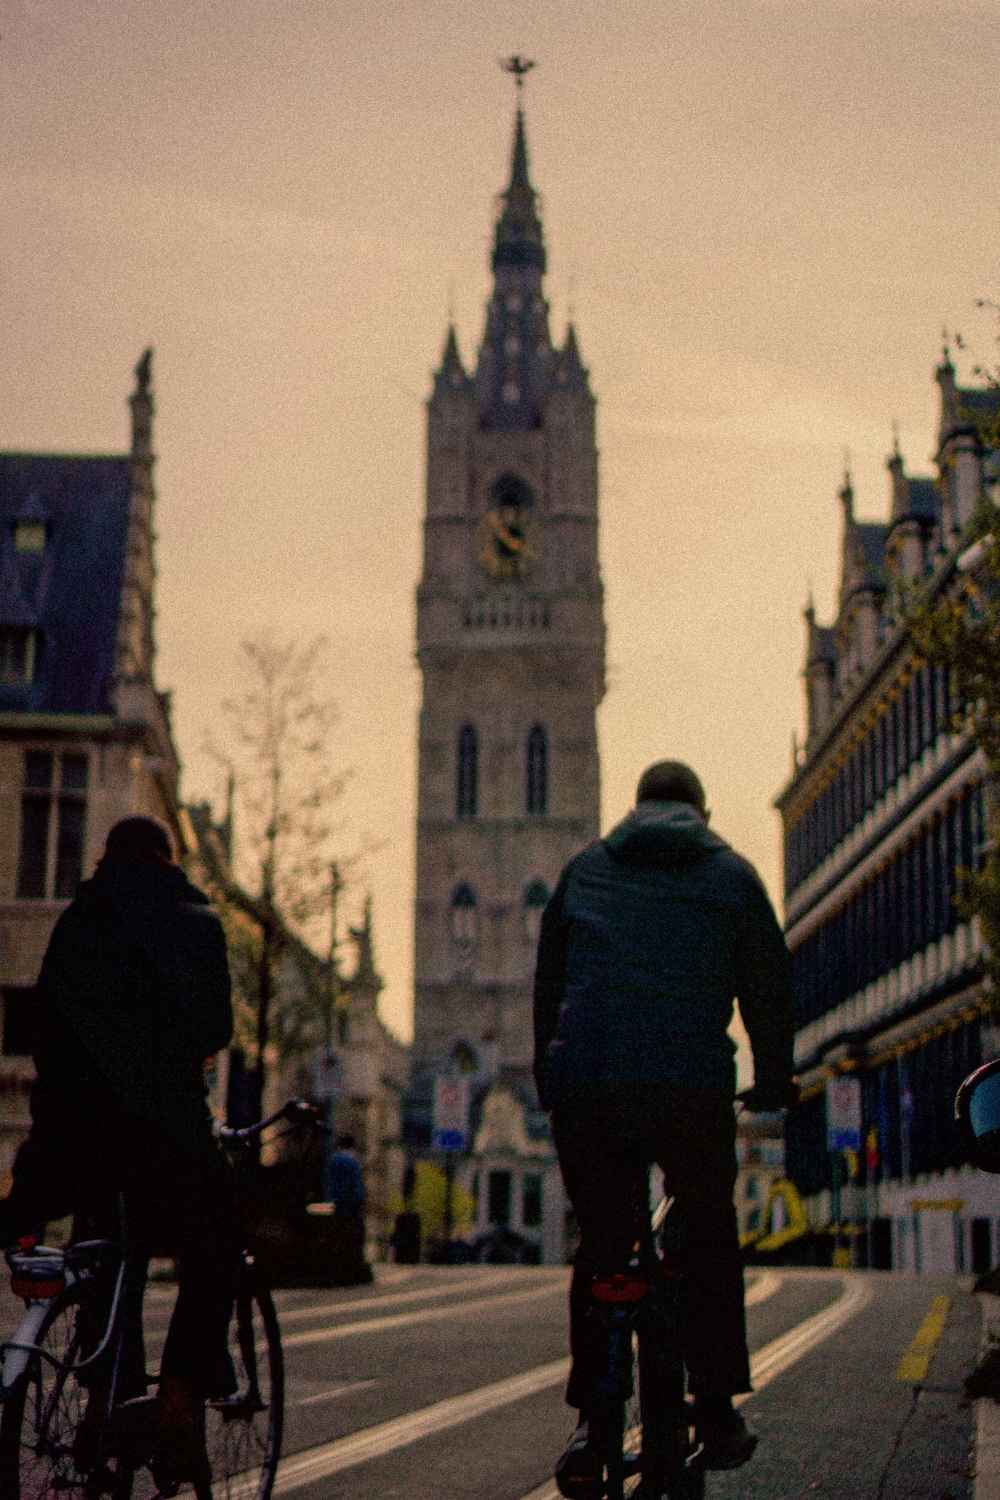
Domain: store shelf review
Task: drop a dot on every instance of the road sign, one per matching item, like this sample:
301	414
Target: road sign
843	1114
450	1129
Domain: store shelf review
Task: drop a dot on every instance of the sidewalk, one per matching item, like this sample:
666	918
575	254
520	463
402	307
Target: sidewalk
987	1411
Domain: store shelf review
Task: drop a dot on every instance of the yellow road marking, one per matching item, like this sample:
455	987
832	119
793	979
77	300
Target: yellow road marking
914	1364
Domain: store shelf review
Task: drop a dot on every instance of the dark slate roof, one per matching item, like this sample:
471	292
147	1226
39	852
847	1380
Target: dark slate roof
924	499
975	403
71	593
872	535
822	644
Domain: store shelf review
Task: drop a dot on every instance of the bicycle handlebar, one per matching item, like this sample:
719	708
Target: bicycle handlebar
296	1112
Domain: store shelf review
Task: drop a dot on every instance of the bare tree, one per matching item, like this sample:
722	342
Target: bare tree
278	747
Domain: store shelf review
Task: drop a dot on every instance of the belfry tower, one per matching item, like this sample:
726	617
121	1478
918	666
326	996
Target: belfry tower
510	642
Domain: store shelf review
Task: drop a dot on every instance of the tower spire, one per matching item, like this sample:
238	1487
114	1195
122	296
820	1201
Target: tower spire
518	240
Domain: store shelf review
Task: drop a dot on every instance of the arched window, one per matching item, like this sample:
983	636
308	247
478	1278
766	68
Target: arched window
511	490
537	772
467	773
536	897
463	915
464	1058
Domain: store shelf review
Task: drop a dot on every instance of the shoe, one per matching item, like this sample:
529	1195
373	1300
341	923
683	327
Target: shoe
727	1442
579	1472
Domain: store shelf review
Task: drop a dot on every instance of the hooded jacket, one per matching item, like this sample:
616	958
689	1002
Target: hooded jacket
649	937
133	995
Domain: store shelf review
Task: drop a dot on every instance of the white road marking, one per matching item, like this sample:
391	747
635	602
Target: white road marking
765	1286
318	1463
426	1315
346	1388
782	1352
344	1453
393	1299
776	1357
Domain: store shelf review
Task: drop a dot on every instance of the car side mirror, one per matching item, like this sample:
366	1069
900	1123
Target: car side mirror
977	1110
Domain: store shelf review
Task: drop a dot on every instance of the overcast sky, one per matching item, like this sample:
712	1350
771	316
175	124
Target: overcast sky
762	212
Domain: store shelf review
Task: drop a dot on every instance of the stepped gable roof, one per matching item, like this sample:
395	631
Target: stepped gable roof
70	592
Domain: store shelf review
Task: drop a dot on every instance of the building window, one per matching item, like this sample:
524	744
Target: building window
537	777
53	814
463	915
18	1021
464	1059
18	652
499	1198
531	1200
467	780
536	898
29	536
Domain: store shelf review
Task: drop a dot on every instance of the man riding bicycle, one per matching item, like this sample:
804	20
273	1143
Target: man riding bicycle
649	936
133	997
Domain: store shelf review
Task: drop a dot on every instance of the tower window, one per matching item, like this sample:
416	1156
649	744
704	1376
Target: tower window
537	772
467	780
536	897
463	914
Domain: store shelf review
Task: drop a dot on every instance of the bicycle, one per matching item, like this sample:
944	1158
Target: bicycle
643	1412
77	1418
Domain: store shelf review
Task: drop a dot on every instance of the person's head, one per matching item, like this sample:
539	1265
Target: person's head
346	1142
140	841
671	781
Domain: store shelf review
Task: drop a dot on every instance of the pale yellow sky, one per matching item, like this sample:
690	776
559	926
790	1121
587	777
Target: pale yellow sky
762	214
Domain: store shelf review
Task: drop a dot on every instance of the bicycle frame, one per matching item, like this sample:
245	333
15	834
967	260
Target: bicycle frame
17	1351
643	1300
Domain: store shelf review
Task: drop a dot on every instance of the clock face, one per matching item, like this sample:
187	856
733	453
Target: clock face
508	543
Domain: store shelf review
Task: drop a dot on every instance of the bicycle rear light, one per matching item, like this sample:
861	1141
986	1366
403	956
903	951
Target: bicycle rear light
621	1287
36	1275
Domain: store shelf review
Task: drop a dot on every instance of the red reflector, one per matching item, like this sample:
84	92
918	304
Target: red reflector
619	1288
36	1291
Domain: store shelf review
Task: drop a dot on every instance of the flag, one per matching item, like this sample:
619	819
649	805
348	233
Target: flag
871	1151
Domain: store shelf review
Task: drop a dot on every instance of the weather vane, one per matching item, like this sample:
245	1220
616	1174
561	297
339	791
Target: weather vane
519	66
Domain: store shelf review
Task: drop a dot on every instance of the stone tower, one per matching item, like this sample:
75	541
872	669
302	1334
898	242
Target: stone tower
510	642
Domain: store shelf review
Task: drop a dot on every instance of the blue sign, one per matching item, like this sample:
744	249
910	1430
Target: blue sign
449	1140
843	1114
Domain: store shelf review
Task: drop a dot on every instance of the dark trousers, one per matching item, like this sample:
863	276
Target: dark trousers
603	1142
178	1201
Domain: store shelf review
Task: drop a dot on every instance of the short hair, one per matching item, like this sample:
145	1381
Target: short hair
670	781
140	839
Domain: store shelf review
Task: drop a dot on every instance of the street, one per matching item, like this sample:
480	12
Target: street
441	1383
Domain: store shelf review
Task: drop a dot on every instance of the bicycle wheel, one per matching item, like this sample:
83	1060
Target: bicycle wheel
243	1432
620	1416
44	1448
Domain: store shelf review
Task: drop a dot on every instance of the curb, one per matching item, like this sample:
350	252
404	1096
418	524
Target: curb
986	1457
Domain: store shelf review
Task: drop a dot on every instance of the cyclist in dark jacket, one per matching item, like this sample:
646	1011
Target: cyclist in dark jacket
132	999
650	935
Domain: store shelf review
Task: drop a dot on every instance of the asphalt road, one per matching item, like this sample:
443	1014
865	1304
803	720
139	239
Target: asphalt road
441	1383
